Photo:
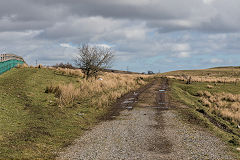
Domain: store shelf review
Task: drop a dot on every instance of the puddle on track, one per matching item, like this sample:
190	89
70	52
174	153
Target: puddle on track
162	90
127	101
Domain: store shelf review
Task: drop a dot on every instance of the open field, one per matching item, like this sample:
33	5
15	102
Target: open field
211	72
43	110
213	75
216	101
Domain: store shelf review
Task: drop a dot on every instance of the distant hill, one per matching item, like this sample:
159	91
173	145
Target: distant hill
225	67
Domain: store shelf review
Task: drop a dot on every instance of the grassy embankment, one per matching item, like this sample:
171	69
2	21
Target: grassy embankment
213	98
44	110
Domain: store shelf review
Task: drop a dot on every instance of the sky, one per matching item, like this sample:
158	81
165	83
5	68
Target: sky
156	35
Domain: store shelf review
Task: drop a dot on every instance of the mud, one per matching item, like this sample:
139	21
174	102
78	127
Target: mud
143	125
125	102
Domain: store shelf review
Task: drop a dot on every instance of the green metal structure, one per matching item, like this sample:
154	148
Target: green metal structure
9	64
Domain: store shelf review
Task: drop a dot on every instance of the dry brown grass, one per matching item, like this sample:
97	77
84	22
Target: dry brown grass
206	79
67	94
101	92
205	102
226	104
71	72
24	65
63	71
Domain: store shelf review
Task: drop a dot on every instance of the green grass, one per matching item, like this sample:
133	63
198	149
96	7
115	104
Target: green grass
187	94
32	125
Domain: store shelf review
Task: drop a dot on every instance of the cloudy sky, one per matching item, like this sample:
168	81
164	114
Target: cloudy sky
157	35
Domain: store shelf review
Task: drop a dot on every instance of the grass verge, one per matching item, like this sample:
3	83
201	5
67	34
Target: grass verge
200	115
35	124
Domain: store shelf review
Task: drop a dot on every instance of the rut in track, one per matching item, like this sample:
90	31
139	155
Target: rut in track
147	128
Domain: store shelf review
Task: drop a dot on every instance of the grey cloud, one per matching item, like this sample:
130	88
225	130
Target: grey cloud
137	29
166	15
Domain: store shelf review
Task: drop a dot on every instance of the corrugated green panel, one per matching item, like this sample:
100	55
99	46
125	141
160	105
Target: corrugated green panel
7	65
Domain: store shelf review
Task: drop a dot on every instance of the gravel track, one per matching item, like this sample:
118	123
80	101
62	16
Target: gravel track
146	133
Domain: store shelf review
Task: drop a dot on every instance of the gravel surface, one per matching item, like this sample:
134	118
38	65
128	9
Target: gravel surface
146	133
192	143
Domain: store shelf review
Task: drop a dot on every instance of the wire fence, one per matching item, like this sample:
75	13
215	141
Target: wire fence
9	64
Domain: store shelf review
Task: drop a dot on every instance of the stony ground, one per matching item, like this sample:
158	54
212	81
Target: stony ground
148	129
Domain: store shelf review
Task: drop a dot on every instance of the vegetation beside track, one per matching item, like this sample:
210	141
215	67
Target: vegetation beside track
211	105
35	123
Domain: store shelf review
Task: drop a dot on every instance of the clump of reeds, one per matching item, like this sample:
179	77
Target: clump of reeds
24	65
70	72
205	102
209	86
209	79
226	105
102	91
66	93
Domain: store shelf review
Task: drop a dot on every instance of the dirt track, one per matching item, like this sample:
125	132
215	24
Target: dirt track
146	128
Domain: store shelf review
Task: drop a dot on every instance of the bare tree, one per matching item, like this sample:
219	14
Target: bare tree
92	59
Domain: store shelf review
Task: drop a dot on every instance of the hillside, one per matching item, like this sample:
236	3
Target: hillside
44	110
213	94
212	72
